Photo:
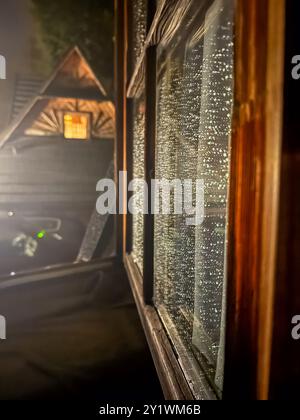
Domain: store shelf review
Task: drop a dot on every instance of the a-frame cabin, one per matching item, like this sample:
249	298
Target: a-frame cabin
73	90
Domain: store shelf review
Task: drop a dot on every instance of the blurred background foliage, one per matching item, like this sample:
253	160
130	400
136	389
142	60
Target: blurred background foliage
61	24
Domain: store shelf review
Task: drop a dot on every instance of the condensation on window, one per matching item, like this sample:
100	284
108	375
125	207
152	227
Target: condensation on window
194	108
139	25
138	172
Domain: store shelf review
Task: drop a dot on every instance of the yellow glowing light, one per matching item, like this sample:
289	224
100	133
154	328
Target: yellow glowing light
76	126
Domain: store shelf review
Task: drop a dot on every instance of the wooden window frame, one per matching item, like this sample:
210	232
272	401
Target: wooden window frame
253	205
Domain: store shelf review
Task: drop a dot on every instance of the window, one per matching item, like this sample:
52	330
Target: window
201	75
138	173
194	107
139	18
76	125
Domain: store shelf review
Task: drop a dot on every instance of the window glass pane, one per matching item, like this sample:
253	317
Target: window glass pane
76	126
139	28
194	108
138	171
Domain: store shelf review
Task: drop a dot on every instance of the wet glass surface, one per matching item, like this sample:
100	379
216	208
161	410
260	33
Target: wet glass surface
193	142
139	18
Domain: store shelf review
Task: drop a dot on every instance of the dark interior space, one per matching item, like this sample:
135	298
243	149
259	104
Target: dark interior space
75	337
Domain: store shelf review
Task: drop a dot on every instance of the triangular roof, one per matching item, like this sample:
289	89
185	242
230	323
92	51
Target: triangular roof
73	80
